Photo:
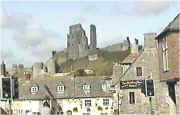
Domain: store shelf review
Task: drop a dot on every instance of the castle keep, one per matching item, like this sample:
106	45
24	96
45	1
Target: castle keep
77	41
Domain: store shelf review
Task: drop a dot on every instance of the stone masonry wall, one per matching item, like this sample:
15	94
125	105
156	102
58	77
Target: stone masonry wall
77	42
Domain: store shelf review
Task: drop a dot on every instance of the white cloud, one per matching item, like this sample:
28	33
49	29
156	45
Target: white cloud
142	8
151	7
32	40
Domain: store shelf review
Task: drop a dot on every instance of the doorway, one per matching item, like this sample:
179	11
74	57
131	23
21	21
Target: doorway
171	90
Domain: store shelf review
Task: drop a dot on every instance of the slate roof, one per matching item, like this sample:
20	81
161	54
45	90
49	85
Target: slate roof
174	25
73	88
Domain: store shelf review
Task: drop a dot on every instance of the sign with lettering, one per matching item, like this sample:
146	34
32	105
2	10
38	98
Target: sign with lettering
132	84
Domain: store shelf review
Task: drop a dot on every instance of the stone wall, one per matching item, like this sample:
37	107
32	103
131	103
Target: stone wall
37	69
163	96
141	105
118	47
117	71
148	61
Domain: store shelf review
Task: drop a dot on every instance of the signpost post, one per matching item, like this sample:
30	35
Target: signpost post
149	85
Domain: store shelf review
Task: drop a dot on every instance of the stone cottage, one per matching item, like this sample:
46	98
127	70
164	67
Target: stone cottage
137	67
65	95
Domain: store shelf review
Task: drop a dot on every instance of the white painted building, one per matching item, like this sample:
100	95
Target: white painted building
65	95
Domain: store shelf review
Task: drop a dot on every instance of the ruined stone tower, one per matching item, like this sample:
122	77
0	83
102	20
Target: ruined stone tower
93	41
77	42
3	68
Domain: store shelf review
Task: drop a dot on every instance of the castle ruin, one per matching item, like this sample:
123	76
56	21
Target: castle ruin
77	41
93	41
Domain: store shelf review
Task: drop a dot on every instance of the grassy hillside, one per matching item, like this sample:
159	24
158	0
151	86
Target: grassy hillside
102	66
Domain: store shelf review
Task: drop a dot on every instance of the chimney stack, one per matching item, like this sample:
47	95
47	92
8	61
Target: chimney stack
135	47
149	41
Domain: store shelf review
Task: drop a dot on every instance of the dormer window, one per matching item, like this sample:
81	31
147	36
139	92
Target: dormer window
34	89
86	88
106	85
60	88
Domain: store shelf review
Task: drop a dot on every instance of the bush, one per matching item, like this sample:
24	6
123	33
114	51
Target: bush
75	109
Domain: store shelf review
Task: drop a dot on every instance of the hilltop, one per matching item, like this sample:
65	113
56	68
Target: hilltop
102	66
81	55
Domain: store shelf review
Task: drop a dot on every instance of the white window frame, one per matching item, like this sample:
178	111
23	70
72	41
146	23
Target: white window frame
165	54
86	87
34	89
87	103
60	88
106	102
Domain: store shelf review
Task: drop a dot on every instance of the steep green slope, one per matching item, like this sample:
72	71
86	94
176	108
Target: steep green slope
102	66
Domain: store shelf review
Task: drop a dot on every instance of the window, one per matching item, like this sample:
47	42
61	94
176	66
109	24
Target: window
105	102
138	71
86	88
165	54
87	102
131	98
34	90
60	88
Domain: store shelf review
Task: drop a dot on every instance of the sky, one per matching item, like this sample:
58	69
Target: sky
31	29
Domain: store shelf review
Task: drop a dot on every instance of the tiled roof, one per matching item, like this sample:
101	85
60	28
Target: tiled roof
73	88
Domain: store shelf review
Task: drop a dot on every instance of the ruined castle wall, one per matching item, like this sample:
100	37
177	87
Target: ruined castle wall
117	47
51	66
37	69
